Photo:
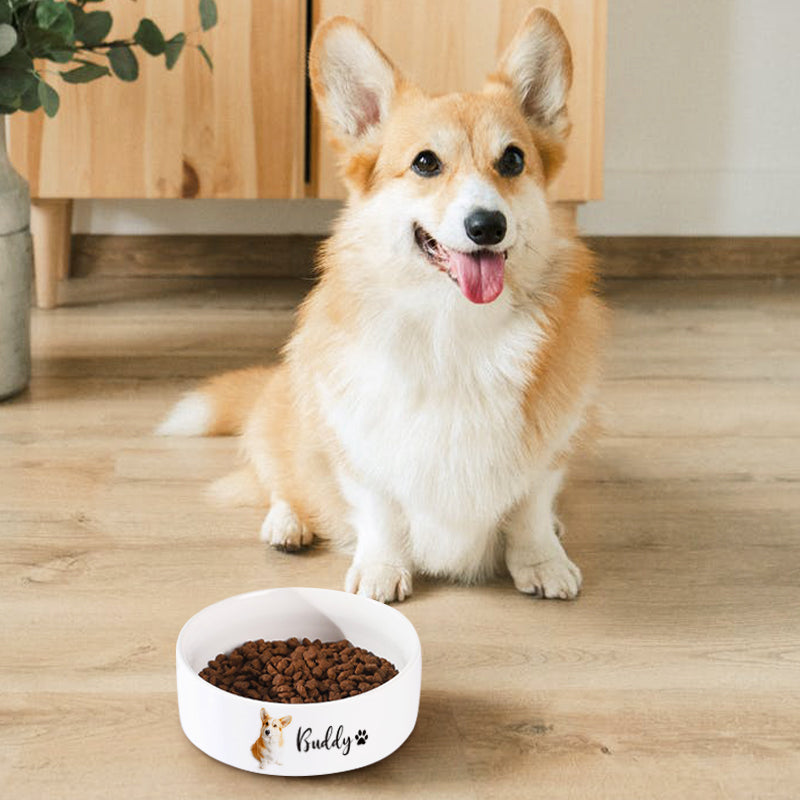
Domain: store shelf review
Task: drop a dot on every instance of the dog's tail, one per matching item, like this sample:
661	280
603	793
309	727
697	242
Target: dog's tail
220	407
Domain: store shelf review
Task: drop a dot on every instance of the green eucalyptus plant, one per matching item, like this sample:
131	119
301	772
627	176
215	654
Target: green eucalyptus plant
69	34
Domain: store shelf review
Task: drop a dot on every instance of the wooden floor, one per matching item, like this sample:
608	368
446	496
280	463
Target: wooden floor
676	674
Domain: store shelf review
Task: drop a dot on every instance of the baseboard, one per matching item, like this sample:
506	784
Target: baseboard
697	256
194	256
293	256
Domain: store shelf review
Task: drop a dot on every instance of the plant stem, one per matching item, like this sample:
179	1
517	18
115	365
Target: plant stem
108	45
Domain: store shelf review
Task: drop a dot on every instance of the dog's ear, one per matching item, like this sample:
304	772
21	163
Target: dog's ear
537	66
284	721
354	83
264	715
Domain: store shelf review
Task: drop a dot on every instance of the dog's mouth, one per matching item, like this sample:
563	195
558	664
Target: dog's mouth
478	274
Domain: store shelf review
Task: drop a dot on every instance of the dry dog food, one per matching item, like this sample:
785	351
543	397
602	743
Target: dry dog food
298	671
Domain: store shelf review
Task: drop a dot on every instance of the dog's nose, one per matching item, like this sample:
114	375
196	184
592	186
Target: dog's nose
486	227
266	730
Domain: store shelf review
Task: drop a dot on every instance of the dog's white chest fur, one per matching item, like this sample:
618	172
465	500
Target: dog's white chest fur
428	408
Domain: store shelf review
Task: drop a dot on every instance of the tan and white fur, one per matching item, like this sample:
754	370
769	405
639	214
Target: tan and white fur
266	749
415	415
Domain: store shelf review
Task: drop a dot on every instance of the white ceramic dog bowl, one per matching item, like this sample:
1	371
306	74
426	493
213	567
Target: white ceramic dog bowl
320	738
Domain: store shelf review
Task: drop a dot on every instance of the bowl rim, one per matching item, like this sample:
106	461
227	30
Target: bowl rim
195	677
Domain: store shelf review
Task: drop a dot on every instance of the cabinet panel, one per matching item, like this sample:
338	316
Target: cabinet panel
235	133
451	45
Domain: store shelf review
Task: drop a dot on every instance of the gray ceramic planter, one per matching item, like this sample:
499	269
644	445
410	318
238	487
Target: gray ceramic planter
16	267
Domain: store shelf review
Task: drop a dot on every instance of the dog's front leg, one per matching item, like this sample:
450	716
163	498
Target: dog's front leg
381	567
534	554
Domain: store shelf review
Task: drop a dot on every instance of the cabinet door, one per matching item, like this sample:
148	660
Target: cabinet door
451	45
237	132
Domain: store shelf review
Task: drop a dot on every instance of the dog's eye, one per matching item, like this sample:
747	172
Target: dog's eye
427	164
511	163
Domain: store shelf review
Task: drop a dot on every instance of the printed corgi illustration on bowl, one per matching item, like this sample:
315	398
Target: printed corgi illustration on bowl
266	749
443	368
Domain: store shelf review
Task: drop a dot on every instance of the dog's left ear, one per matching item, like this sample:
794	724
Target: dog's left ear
537	66
354	83
284	721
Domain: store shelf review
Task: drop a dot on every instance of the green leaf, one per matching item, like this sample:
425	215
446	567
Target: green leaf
61	56
93	27
55	17
48	97
124	63
5	11
48	11
8	38
77	13
16	77
40	43
13	87
206	56
208	14
84	74
30	100
149	36
16	59
173	49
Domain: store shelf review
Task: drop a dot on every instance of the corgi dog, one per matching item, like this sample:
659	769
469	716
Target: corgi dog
266	748
443	367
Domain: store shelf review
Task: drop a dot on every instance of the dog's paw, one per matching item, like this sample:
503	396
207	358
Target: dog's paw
385	583
556	577
283	529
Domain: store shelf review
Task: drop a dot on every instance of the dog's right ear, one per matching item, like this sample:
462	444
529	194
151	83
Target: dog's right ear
353	82
264	715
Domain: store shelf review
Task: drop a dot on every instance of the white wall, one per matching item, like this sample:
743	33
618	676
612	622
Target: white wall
702	119
702	134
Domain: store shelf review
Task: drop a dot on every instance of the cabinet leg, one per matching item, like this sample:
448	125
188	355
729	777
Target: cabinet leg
66	229
51	223
570	211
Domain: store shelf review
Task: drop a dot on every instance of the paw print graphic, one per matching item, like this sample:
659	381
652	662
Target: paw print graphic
361	737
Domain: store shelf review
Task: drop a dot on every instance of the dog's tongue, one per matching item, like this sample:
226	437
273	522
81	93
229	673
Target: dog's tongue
479	275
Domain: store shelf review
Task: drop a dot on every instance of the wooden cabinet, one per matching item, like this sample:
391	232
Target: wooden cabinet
238	132
245	130
452	45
